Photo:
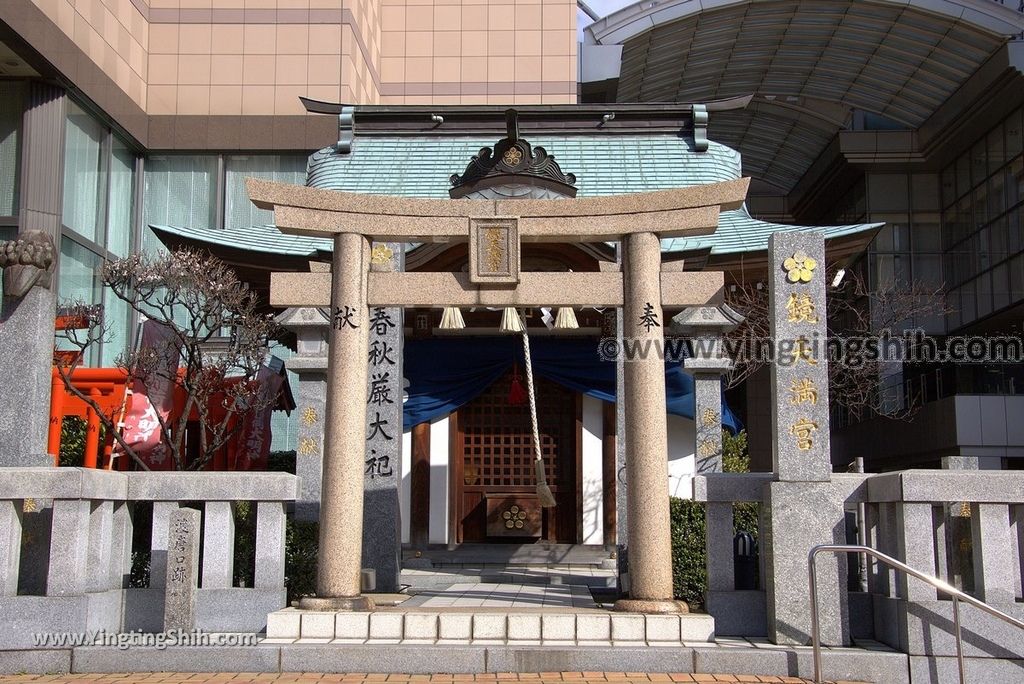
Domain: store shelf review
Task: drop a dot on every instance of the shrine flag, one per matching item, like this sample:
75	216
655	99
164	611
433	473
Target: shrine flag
254	436
155	397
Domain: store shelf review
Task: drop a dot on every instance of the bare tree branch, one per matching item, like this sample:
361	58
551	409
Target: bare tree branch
219	338
855	311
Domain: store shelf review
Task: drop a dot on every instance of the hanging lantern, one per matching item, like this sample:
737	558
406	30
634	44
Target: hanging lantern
510	321
566	319
451	319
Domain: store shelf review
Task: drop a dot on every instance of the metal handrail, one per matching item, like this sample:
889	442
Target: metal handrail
939	584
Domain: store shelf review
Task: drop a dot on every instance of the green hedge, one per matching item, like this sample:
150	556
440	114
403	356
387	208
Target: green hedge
689	527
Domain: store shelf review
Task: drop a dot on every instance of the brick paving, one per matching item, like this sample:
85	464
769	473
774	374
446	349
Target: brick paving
354	678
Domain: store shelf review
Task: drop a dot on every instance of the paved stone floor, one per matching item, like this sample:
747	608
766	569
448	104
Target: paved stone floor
536	678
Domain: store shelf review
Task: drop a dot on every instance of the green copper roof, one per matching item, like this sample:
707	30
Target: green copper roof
603	164
266	239
608	164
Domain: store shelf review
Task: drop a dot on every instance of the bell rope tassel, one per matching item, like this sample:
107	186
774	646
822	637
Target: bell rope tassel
511	322
566	319
547	499
451	319
516	391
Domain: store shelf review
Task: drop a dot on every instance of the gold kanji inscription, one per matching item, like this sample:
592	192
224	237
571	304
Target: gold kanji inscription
709	418
802	430
802	352
307	446
707	447
309	416
801	308
803	391
495	250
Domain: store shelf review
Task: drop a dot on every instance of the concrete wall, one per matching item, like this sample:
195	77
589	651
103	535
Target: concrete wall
592	476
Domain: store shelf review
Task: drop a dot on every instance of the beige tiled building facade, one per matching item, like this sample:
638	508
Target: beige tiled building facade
256	57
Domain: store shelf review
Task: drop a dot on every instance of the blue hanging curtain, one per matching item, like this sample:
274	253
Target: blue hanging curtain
445	373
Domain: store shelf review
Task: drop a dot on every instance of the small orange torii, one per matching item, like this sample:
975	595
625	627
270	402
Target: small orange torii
105	386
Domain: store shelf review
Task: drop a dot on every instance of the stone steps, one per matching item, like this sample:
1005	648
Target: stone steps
541	553
587	576
493	627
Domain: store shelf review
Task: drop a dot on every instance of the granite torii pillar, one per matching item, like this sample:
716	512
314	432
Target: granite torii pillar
341	505
650	553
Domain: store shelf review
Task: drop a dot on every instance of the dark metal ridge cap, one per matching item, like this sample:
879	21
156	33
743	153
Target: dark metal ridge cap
487	119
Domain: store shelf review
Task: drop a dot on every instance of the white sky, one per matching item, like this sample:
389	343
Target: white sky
602	7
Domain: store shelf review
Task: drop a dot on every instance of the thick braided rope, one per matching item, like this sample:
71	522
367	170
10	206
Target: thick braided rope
533	399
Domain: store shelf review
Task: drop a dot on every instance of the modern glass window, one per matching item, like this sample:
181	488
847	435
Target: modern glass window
239	212
120	198
117	318
180	190
79	275
10	124
99	186
982	221
84	174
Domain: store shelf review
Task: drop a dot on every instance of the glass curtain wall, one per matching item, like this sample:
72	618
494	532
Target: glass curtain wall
99	187
239	212
982	225
208	192
11	105
180	190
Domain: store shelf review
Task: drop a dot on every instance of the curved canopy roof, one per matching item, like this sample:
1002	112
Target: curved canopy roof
809	64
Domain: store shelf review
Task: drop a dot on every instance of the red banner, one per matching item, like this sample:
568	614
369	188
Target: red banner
252	445
153	400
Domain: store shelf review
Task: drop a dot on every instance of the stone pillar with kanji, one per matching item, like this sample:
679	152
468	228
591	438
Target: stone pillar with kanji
803	507
382	465
311	326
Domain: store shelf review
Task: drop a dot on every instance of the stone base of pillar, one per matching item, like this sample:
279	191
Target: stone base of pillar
651	606
336	603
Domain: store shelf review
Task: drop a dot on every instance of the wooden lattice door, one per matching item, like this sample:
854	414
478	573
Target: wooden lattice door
494	493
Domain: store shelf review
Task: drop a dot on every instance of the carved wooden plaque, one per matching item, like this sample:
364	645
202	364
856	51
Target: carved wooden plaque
514	515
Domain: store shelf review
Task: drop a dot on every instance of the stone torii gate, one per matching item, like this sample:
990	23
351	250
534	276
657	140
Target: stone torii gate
495	230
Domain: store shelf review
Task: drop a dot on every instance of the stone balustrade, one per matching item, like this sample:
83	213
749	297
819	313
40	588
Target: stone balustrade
67	536
736	612
965	527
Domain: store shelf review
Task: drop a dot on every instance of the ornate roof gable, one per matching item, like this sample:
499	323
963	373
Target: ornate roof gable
513	162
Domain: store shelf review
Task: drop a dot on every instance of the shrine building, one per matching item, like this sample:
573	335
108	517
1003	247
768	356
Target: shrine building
466	453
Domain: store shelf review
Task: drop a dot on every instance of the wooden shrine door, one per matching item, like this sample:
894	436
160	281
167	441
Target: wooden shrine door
494	484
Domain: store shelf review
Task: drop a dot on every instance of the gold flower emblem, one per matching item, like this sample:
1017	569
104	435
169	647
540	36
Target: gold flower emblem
512	156
381	254
799	268
514	518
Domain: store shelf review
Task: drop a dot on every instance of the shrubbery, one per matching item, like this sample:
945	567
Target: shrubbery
689	527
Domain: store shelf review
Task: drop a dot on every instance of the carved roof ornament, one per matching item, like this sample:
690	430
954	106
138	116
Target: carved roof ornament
513	168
